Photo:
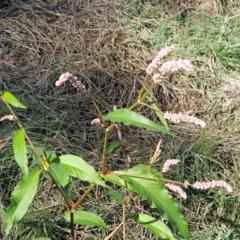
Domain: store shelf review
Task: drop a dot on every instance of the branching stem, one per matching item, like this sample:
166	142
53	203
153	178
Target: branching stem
80	200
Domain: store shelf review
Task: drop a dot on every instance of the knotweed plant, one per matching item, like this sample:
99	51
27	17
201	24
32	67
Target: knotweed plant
144	179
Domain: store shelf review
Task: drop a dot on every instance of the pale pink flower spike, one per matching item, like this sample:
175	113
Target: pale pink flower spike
73	79
157	61
179	117
212	184
7	117
174	66
176	189
168	164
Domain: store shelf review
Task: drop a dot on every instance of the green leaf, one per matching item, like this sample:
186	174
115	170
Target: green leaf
142	182
22	197
158	227
79	168
116	195
11	99
59	174
20	151
149	169
42	152
86	218
129	117
112	147
158	113
115	180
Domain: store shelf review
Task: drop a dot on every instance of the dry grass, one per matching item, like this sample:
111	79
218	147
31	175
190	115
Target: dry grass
96	41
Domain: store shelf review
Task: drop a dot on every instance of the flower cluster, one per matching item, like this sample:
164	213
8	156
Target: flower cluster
174	66
212	184
180	117
176	189
168	164
157	61
73	80
198	185
157	69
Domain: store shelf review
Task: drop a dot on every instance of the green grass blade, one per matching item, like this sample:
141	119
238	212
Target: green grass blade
79	168
20	151
22	197
12	100
129	117
86	218
158	227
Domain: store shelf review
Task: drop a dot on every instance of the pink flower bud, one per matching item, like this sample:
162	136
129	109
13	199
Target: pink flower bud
7	117
95	121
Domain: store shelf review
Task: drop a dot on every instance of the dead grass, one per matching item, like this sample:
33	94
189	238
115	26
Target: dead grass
108	47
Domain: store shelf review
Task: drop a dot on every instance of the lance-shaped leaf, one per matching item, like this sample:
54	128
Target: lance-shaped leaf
86	218
158	227
20	151
156	194
22	197
11	99
129	117
79	168
60	175
115	180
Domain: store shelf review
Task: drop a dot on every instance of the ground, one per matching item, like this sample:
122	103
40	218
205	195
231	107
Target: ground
108	45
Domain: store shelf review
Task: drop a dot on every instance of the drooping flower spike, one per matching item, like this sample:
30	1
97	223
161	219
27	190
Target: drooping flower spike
73	80
7	117
168	164
158	69
180	117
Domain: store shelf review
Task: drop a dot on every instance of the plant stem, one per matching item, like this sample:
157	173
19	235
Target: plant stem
69	204
153	178
44	163
98	110
115	230
72	225
80	200
140	99
107	130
